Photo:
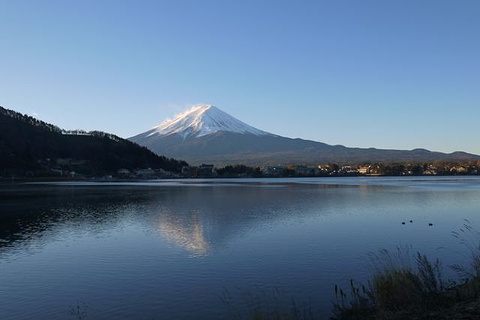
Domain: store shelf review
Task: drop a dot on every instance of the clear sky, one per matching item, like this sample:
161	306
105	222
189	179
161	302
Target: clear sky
387	74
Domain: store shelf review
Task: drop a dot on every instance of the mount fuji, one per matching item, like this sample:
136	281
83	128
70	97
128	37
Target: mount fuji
206	134
203	120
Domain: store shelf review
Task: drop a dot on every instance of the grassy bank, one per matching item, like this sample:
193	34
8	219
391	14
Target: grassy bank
417	290
403	285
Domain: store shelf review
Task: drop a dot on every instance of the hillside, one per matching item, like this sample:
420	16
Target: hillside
30	145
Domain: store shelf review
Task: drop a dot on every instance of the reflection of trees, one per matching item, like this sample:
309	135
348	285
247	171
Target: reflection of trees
198	218
32	213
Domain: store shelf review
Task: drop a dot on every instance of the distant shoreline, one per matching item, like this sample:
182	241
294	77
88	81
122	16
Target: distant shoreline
21	180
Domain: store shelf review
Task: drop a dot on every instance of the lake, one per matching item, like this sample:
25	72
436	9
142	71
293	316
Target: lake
205	249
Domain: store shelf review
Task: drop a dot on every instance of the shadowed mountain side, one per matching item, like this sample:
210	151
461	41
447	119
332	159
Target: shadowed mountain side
223	148
28	144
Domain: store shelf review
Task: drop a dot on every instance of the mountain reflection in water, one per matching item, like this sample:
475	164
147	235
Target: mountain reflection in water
144	250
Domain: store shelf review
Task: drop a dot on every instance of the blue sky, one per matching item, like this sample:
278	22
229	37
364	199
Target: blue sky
386	74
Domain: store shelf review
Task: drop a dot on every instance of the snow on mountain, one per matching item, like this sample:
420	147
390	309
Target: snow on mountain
203	120
205	134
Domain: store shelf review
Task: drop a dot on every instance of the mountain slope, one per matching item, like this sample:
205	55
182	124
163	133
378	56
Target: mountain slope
201	121
25	142
200	135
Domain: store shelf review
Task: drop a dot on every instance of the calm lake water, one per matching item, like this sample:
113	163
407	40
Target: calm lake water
171	249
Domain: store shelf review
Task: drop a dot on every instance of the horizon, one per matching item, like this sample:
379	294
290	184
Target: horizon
192	108
346	73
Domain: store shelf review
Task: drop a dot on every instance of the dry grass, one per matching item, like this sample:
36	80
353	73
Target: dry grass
406	286
401	284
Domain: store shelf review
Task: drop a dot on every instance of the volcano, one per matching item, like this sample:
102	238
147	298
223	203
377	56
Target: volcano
206	134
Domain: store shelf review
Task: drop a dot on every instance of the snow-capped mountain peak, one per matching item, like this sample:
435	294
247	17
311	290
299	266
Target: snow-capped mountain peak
202	120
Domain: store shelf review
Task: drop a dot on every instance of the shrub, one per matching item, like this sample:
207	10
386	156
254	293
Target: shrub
398	287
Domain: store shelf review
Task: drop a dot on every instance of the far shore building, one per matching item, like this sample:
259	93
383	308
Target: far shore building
206	170
145	173
363	170
348	170
458	169
123	173
273	170
306	171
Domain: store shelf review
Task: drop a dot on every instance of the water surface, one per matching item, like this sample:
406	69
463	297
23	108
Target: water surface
170	249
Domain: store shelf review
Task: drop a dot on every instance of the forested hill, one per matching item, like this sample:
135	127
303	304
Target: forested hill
30	145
